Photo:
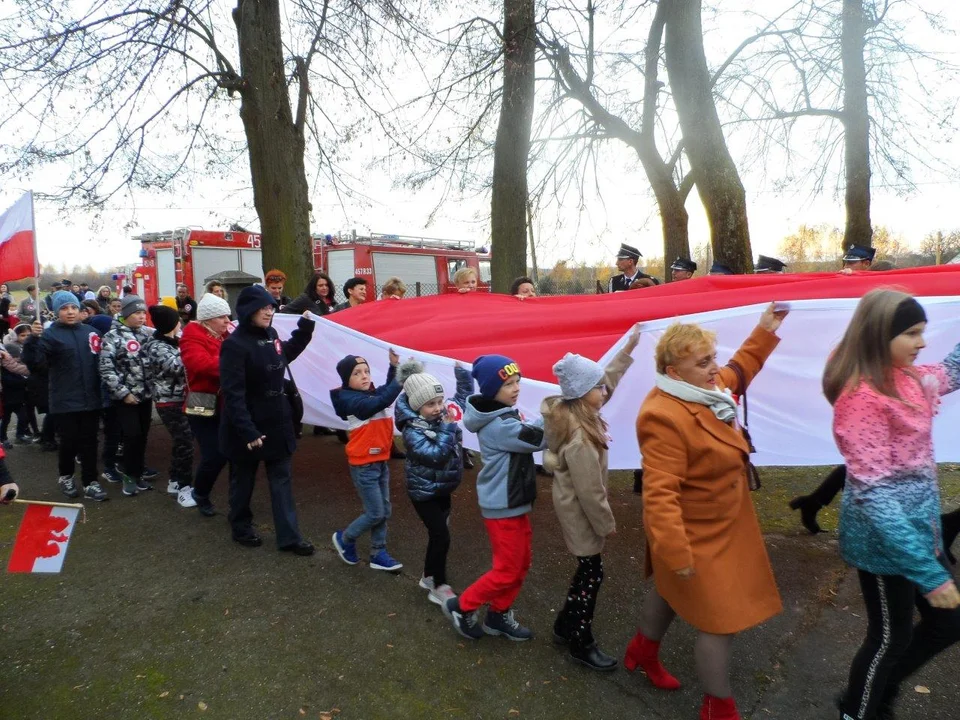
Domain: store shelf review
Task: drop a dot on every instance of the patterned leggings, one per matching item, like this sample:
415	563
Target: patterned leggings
181	455
575	620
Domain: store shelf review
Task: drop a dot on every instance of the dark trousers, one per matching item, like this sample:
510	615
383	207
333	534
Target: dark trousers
828	489
242	476
181	455
894	648
575	620
134	425
111	437
435	514
78	436
48	431
25	418
207	432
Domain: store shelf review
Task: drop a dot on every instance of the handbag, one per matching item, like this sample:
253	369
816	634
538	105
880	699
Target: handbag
753	476
293	397
200	404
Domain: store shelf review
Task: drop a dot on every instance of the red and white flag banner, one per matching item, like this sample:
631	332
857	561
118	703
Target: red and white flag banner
790	420
18	243
41	544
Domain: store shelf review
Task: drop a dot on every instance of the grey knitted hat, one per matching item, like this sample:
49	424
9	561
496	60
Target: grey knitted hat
131	304
577	375
419	386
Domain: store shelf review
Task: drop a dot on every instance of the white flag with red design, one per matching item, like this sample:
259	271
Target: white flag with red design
41	544
18	241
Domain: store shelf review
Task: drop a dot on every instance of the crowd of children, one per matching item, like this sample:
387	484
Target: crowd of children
884	405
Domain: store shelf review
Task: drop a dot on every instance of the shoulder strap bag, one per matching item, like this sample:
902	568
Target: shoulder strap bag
753	476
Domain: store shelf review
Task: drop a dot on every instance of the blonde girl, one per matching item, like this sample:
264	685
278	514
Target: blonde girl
577	456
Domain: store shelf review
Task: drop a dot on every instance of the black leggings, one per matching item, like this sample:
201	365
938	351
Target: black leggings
894	648
134	424
435	514
26	419
575	620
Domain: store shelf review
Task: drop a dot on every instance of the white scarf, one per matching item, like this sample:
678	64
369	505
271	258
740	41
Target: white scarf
721	403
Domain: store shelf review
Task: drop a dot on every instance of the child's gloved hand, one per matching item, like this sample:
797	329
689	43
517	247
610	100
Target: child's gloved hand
394	358
6	490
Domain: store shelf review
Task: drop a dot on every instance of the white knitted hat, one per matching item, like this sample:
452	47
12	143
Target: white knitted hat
419	386
211	306
577	375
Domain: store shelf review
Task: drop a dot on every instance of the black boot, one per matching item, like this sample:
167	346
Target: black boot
808	508
593	658
950	524
638	481
468	463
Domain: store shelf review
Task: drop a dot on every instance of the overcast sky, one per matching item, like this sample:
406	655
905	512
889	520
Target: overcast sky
591	233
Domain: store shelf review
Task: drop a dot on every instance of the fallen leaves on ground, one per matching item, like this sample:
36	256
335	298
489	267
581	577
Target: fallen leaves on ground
202	705
922	689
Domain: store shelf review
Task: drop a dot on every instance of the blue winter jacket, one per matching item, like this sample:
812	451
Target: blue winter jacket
434	464
70	354
507	482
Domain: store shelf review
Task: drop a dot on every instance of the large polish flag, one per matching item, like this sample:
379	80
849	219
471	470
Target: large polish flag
18	246
41	544
790	420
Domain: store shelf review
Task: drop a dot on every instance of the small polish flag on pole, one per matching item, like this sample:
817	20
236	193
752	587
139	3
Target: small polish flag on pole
42	540
18	241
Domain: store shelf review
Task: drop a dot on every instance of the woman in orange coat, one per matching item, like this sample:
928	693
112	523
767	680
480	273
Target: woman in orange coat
704	547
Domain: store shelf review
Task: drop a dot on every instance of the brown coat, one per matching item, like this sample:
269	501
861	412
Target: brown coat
580	475
697	510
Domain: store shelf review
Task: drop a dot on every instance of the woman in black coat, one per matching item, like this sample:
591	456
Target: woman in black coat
257	422
319	297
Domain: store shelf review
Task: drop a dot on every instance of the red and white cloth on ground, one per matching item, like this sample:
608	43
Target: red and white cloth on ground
790	420
41	544
18	249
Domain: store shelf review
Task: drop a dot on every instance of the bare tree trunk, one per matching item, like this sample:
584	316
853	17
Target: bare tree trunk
670	201
856	123
535	276
275	142
717	180
508	206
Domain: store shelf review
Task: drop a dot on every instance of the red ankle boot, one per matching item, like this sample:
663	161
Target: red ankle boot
645	653
715	708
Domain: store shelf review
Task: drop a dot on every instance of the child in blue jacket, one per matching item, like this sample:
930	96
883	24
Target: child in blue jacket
506	489
366	411
434	465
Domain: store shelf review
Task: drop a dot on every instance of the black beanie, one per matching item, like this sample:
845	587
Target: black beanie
345	367
909	312
164	318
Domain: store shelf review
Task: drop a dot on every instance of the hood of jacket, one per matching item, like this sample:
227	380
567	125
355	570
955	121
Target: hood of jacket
196	330
481	411
250	300
405	415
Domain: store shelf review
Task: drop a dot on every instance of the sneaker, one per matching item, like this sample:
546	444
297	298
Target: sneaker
173	487
129	486
427	583
68	486
346	551
203	504
143	484
505	624
185	497
94	492
465	623
112	475
383	561
440	595
149	473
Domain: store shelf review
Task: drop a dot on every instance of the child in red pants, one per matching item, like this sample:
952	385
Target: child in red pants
506	489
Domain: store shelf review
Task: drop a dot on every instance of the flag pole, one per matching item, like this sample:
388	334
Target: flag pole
36	258
83	510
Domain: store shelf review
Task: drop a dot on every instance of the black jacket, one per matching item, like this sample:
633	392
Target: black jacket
620	282
253	364
71	355
305	302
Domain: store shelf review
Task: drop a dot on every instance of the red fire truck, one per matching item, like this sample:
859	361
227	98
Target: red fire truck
189	256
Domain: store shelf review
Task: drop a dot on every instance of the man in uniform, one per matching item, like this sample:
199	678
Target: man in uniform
769	265
858	257
683	269
720	269
630	276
